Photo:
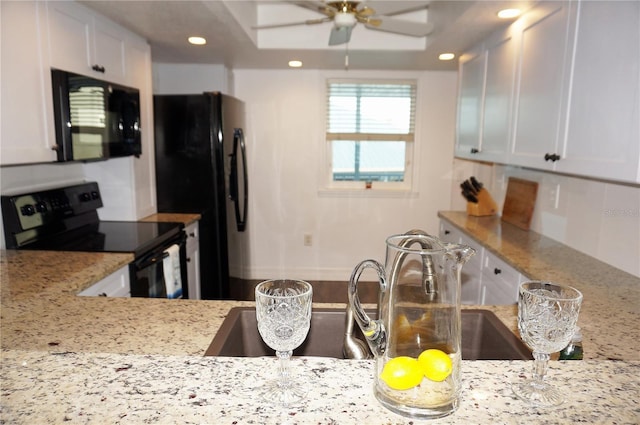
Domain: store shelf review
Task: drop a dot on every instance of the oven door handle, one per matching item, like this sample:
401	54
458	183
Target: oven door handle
147	261
159	254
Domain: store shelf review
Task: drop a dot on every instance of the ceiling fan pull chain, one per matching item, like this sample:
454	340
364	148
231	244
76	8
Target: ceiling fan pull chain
346	57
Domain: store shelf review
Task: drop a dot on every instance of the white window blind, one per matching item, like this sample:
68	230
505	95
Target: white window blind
371	111
370	129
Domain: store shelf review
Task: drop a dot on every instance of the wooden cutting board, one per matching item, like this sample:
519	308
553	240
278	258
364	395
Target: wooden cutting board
519	202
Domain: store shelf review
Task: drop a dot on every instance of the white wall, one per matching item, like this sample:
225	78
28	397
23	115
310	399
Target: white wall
601	219
285	142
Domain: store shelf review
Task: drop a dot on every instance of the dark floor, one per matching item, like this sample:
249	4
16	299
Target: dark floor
323	291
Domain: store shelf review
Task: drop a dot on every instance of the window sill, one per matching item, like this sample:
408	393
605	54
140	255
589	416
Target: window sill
366	193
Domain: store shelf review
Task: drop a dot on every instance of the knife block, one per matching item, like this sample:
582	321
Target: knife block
486	205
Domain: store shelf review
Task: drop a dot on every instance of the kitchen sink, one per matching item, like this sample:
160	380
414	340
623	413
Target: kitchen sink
484	336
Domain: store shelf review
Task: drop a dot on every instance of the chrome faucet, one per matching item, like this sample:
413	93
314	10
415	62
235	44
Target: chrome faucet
429	279
354	348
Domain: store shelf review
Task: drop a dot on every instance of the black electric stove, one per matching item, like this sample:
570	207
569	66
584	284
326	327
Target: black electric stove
66	219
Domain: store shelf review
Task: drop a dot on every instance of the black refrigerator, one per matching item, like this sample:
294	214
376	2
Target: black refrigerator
201	168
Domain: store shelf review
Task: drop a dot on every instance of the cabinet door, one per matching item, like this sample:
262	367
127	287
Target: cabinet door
541	75
116	284
70	37
26	130
498	97
470	99
109	47
603	124
500	282
138	74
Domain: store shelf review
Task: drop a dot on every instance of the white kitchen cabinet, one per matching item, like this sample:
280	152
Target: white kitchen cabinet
500	282
26	128
602	137
561	88
116	284
542	81
193	260
470	101
82	42
139	75
485	101
498	96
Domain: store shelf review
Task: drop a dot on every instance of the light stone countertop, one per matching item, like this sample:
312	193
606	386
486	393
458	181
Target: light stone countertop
610	311
184	218
112	360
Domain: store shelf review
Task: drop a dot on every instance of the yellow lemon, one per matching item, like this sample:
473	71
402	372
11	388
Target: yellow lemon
436	364
402	373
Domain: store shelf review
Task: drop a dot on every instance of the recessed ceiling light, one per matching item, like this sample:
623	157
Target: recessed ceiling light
446	56
295	64
509	13
197	40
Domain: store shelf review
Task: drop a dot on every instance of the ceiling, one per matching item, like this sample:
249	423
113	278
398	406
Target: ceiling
231	40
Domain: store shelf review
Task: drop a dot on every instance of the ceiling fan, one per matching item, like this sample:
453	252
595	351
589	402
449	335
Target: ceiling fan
373	15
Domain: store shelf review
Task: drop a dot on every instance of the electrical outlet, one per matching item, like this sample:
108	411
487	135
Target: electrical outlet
308	239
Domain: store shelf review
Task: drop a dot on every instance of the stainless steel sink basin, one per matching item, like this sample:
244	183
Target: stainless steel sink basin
484	336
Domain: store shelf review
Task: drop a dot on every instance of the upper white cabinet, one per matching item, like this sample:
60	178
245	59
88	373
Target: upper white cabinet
26	130
486	95
603	125
84	43
498	96
541	81
470	99
561	92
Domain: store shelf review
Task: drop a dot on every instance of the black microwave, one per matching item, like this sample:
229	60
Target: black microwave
94	119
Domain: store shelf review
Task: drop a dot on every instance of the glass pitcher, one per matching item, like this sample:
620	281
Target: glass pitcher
418	312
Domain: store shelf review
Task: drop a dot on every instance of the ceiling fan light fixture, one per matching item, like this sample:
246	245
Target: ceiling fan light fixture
509	13
446	56
342	20
198	41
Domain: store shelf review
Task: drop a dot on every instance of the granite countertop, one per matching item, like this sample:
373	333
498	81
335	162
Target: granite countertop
610	310
116	360
186	219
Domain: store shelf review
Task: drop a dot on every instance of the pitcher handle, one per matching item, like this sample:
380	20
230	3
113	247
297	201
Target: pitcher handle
373	330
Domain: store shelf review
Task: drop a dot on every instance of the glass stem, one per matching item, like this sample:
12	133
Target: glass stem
284	357
540	364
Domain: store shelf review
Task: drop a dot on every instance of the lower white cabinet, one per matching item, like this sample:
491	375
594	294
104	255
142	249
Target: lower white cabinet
193	260
485	278
115	285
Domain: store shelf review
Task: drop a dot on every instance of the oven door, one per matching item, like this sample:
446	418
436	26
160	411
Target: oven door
147	271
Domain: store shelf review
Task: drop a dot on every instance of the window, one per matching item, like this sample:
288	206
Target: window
370	133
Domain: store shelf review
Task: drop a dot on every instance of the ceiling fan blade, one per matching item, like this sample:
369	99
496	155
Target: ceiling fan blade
340	35
371	8
317	6
293	24
399	26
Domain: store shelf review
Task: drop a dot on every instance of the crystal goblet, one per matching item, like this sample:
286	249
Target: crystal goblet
547	317
283	312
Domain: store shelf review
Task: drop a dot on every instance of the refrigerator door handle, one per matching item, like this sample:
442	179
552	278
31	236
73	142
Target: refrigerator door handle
234	186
